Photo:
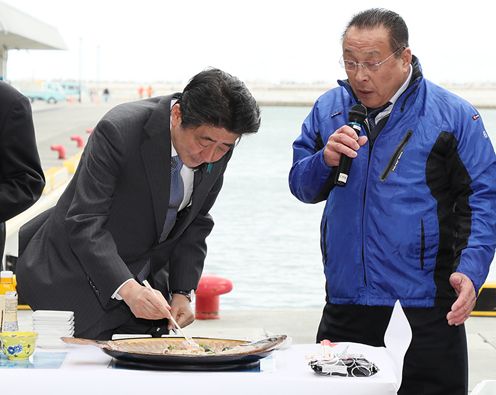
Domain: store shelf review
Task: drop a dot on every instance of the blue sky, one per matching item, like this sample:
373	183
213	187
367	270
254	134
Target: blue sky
273	41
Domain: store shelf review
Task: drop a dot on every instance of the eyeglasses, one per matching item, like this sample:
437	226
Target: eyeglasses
351	65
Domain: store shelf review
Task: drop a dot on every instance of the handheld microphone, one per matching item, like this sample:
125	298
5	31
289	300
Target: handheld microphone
356	119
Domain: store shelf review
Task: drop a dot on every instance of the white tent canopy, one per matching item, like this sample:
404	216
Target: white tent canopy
21	31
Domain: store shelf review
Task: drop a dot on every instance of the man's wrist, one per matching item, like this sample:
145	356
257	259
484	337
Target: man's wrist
116	295
186	294
128	288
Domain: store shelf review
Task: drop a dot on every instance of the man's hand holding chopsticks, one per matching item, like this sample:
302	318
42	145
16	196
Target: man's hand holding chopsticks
181	311
145	303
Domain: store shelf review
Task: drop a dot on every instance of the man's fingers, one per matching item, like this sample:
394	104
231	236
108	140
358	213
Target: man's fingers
362	140
344	141
458	320
343	150
461	309
177	316
465	302
460	303
146	303
458	317
151	305
184	319
181	311
343	145
345	130
348	139
160	305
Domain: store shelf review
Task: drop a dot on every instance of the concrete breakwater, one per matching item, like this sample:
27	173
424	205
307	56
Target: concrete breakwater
482	96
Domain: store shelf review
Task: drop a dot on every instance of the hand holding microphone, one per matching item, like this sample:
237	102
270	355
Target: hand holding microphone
344	142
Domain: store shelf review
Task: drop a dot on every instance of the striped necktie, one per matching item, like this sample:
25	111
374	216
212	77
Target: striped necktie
372	115
175	198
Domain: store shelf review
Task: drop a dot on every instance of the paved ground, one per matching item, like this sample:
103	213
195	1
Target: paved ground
55	124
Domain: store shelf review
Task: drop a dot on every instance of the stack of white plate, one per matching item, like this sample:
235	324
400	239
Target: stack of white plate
51	325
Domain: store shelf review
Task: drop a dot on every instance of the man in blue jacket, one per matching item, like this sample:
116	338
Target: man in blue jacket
415	220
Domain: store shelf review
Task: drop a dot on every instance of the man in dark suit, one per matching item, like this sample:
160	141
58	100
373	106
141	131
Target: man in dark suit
121	221
21	177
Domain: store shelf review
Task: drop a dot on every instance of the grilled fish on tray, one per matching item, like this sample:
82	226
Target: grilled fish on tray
177	346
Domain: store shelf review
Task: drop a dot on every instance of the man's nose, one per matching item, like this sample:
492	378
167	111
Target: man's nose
361	73
208	154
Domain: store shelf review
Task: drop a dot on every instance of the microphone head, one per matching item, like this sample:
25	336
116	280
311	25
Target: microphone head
357	114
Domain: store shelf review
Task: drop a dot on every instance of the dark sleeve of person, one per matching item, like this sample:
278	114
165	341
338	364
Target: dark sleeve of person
97	176
188	257
21	176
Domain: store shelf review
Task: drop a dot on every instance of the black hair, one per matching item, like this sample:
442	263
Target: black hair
216	98
376	17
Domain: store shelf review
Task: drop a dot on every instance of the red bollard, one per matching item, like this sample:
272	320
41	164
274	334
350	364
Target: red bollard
78	140
207	296
60	149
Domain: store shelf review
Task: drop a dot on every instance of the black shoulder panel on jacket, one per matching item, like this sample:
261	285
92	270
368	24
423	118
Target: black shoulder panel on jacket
449	183
326	189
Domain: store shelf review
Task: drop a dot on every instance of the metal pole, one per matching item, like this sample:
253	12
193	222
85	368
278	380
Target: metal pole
98	64
4	54
80	66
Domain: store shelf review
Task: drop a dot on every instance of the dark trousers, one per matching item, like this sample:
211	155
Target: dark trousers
436	362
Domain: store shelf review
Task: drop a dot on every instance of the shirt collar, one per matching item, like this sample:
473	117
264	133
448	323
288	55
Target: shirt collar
389	107
173	150
402	88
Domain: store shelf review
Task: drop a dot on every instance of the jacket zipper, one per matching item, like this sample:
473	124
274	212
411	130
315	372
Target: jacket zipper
422	244
393	162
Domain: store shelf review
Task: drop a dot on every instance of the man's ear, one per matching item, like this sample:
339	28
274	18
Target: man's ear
406	56
176	115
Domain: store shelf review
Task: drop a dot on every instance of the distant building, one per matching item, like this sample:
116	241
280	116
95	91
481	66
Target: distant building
21	31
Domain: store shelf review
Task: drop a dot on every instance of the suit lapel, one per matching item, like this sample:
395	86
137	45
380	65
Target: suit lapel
205	178
156	153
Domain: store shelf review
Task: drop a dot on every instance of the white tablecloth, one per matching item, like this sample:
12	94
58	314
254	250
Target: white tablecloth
85	370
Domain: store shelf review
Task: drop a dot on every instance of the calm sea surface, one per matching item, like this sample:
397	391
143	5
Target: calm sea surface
265	240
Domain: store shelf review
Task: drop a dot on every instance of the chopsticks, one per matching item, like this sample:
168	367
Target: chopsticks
190	341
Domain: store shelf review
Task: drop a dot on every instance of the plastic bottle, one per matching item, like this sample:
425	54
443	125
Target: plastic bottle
4	287
8	302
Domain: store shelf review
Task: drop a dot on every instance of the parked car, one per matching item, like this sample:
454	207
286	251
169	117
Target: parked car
50	92
72	90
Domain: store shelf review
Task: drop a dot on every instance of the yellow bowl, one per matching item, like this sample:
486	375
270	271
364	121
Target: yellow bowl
18	345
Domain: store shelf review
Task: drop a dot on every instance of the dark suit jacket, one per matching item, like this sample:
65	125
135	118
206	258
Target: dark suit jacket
21	177
106	226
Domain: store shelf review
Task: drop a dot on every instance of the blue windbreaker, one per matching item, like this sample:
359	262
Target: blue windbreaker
418	206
